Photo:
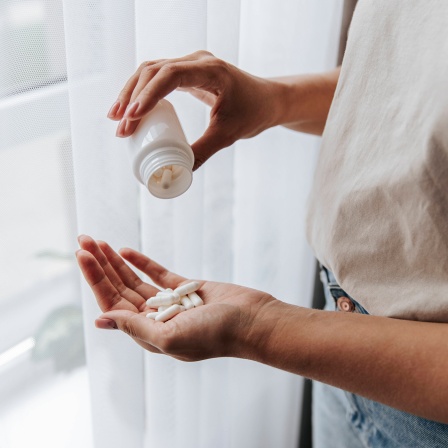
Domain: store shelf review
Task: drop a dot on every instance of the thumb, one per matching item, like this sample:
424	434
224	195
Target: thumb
134	324
212	141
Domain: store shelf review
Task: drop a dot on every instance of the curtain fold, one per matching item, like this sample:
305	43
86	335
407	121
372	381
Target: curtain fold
100	46
242	220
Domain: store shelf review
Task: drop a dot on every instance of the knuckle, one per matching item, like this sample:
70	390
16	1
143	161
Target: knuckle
202	54
145	64
222	67
217	69
220	63
210	58
148	70
169	69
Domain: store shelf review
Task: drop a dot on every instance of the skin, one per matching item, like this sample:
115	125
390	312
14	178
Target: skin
242	105
400	363
408	374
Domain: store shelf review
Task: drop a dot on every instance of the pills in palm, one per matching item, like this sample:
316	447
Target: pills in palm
186	302
155	302
169	313
187	288
170	302
197	301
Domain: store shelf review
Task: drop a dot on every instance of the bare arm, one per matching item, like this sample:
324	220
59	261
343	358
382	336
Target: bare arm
242	105
400	363
307	100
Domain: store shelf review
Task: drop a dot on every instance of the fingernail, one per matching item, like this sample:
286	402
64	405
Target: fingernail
106	324
128	127
131	109
114	109
121	128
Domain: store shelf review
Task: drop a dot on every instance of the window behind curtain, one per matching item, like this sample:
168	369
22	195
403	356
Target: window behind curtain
43	386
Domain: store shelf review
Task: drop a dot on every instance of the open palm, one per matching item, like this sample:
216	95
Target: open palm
220	328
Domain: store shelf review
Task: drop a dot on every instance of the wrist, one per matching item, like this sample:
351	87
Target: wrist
278	102
287	101
262	331
303	101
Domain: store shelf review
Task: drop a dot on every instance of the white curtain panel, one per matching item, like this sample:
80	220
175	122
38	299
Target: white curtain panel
242	220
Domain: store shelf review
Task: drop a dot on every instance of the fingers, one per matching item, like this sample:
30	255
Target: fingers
126	127
89	244
147	71
167	79
155	79
118	109
106	294
127	275
105	324
155	271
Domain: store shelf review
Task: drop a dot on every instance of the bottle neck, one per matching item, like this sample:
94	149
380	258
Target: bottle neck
181	164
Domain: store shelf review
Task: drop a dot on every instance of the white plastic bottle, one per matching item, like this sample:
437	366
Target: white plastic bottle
162	160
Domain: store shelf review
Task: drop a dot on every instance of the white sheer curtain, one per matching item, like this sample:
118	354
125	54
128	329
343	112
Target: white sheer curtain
241	221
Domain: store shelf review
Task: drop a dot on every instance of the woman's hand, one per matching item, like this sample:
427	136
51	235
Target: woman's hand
222	327
242	105
400	363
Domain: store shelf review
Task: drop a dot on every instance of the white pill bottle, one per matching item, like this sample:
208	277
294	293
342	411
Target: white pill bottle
162	160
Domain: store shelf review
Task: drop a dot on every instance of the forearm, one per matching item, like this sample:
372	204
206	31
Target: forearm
402	364
306	100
